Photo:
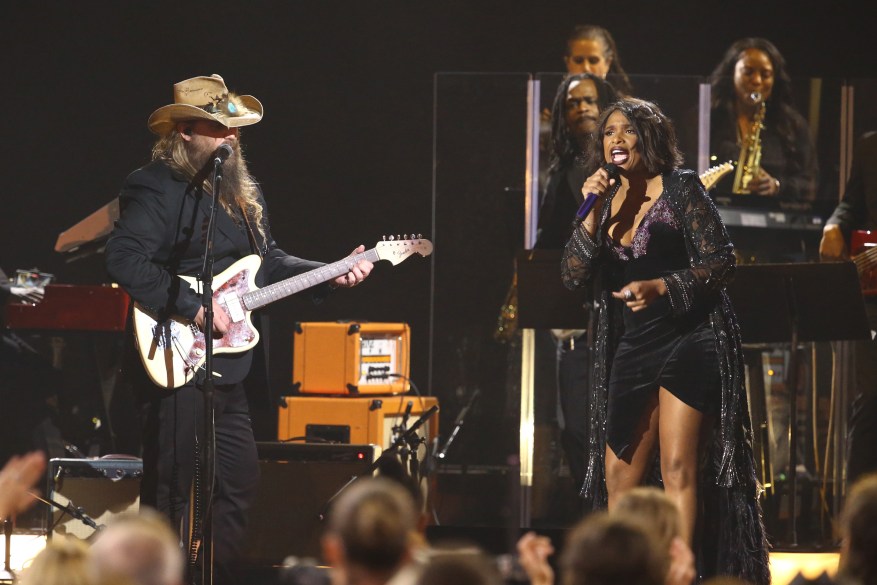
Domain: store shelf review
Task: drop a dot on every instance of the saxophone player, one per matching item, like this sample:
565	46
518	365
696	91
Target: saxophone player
754	122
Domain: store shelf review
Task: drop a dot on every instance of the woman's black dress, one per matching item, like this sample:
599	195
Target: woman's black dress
657	348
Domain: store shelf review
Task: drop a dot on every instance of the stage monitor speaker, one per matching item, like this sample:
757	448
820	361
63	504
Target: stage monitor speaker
101	488
297	481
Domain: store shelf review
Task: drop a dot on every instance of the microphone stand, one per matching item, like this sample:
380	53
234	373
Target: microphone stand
204	499
70	508
7	574
404	438
458	424
401	428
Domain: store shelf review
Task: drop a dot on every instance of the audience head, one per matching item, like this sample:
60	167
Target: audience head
652	507
577	105
460	567
656	136
371	527
140	546
391	468
591	49
606	550
858	531
64	561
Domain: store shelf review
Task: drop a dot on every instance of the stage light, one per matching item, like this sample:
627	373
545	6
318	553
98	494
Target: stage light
784	566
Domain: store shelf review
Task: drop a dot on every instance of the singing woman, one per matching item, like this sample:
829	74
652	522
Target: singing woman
667	379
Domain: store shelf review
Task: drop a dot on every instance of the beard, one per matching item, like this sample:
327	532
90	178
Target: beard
236	179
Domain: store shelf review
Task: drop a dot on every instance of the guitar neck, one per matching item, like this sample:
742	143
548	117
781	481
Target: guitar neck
279	290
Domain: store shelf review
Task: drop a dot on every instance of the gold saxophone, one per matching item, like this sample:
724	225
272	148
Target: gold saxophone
750	150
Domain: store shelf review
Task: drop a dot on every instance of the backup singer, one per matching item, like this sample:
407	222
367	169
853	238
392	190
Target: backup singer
667	358
788	159
160	234
577	106
591	49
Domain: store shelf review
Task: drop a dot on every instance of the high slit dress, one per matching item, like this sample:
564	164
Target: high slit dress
658	349
687	341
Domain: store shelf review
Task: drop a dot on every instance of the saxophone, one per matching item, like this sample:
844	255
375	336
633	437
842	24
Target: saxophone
750	150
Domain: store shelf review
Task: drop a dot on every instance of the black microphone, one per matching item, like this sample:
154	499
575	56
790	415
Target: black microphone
405	416
222	153
591	198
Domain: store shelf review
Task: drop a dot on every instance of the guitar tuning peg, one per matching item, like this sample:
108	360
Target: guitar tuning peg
398	237
419	236
391	238
383	238
404	236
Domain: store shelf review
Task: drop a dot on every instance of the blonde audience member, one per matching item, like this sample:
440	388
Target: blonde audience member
651	507
66	561
141	547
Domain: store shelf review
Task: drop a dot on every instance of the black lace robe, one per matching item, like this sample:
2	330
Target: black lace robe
731	538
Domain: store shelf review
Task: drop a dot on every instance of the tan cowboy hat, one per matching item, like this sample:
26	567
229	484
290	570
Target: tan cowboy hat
205	98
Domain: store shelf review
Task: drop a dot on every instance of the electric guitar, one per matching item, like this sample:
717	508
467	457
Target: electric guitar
712	175
173	350
709	178
863	246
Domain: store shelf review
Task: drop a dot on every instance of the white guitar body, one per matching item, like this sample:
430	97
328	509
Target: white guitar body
173	350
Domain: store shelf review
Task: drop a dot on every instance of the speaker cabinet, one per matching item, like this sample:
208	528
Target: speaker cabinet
358	420
351	358
297	482
101	488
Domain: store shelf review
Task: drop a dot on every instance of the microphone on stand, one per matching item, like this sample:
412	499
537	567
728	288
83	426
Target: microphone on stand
407	414
458	424
221	154
591	198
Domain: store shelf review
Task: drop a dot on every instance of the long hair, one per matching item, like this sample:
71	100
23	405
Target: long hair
592	32
780	113
656	136
172	149
564	146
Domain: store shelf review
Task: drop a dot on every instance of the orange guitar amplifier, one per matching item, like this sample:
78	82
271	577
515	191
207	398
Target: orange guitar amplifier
351	358
355	420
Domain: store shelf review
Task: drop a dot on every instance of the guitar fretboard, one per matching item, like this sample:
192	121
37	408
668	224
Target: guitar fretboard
866	260
279	290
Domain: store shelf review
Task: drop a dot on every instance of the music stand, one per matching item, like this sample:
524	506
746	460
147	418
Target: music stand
543	301
798	303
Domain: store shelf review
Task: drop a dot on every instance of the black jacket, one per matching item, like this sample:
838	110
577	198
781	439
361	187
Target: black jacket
161	234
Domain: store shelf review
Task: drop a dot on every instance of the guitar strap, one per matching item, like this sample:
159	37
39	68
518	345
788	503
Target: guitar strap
254	242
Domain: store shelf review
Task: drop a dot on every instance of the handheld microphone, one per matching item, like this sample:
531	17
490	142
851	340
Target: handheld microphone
591	198
222	153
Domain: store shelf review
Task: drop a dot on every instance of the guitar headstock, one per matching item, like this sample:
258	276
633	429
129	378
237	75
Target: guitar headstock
711	176
398	248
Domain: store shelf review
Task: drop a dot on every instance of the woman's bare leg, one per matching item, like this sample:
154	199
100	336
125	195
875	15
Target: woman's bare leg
679	434
627	473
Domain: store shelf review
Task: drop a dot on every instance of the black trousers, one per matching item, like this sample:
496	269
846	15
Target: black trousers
173	431
573	365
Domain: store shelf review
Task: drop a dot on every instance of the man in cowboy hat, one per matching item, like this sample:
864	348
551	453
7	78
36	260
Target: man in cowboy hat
161	235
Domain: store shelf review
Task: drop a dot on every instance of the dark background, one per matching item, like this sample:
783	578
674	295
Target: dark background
345	151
